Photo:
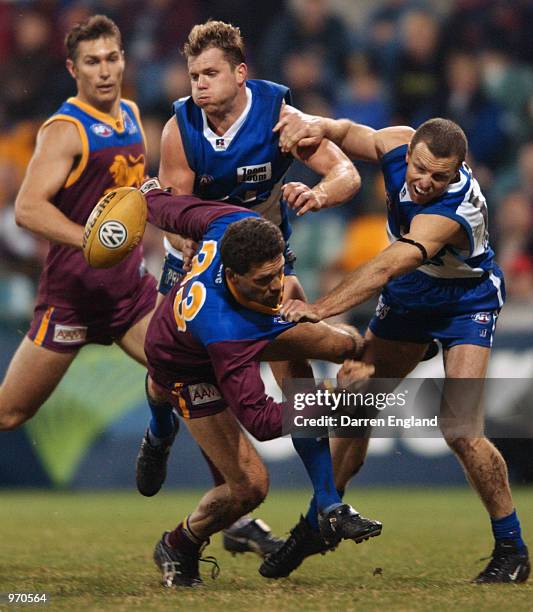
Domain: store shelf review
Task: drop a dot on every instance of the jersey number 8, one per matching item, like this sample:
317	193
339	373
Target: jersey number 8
191	296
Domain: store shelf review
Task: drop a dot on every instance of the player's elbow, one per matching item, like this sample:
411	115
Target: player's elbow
261	434
23	214
352	343
383	272
351	179
355	179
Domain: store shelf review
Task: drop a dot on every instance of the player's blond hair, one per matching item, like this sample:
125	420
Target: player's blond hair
218	35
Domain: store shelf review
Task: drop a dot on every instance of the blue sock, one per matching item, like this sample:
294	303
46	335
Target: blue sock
508	528
312	513
163	421
317	460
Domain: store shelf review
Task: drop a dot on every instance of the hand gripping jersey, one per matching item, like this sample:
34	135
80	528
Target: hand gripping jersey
244	166
113	156
203	333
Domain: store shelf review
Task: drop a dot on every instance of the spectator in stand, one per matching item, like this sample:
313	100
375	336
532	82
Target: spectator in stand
303	72
27	89
417	83
158	32
466	103
514	221
473	23
381	33
363	99
307	26
518	176
510	84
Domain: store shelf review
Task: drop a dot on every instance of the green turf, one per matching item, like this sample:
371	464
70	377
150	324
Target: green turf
93	552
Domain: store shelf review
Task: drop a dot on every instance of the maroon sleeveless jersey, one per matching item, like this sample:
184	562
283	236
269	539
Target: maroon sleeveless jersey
113	156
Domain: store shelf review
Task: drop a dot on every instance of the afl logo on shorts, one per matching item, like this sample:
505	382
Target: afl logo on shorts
112	234
482	317
101	129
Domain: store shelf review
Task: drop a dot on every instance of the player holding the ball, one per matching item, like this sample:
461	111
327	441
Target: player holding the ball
91	146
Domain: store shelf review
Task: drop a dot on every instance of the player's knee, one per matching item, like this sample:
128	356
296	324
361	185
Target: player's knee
253	490
14	409
11	419
252	496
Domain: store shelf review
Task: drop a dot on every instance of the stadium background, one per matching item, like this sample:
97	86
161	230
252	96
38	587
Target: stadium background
380	63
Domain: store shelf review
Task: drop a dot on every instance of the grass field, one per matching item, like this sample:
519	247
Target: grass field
92	551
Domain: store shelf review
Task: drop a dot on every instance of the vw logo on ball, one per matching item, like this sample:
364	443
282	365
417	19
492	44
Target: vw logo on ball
112	234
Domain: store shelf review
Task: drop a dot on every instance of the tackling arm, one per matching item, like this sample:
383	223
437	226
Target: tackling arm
321	341
427	236
58	146
356	140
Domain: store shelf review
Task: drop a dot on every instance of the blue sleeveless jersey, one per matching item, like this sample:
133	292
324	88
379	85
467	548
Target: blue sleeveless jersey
249	171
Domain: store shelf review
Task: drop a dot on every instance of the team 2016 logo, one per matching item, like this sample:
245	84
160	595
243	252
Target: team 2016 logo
482	317
112	234
101	129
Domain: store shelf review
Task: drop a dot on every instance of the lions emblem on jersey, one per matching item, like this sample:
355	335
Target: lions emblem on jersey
127	171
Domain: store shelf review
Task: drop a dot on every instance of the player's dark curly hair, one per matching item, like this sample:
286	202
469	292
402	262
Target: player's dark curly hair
92	28
443	137
218	35
249	242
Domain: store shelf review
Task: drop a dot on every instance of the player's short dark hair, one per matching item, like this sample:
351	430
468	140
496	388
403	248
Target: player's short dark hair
91	28
218	35
249	242
443	137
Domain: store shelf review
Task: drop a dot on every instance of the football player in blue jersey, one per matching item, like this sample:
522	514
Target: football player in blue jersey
438	280
220	145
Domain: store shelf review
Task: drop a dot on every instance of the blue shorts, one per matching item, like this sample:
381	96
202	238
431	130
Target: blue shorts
173	272
418	308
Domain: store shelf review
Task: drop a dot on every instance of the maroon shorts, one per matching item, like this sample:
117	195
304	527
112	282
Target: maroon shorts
64	330
194	400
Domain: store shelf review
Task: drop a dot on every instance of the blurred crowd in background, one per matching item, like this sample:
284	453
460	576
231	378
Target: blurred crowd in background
381	63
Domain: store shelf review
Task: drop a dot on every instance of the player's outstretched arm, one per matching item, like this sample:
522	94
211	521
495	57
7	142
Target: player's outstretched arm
356	140
174	172
321	341
428	235
58	148
299	129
